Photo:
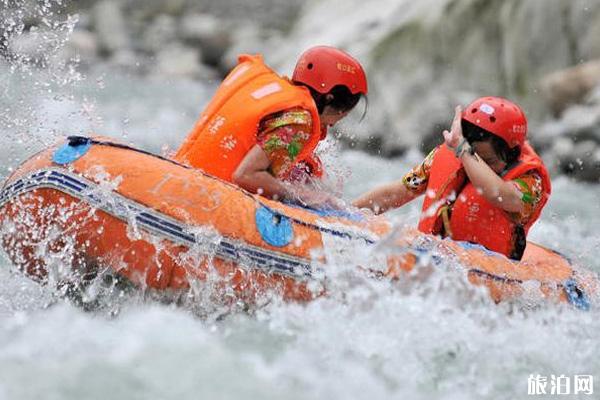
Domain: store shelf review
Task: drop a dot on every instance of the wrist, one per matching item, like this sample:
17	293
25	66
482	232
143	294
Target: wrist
462	148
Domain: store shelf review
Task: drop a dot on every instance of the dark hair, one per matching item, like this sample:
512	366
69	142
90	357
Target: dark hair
343	100
473	134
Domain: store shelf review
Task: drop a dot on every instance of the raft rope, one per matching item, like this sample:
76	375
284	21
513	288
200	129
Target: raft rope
82	140
154	222
226	249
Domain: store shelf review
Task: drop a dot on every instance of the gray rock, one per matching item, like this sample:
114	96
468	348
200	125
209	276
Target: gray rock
209	33
143	11
594	96
579	124
124	58
247	38
266	14
180	61
176	60
557	153
584	28
570	86
415	51
82	45
160	32
110	27
584	162
578	121
563	148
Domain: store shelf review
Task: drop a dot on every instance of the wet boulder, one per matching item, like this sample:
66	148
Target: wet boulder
144	11
159	33
210	34
570	86
583	162
110	26
415	51
177	60
573	141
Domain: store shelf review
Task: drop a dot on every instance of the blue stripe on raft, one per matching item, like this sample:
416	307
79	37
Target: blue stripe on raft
162	221
266	259
289	262
17	186
155	225
495	277
71	184
78	186
67	184
254	255
328	212
71	179
263	256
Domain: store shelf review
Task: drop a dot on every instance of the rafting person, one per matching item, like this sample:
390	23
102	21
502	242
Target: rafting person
485	184
261	129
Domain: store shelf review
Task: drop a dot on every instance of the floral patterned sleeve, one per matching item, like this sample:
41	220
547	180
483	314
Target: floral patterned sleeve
530	185
282	137
416	179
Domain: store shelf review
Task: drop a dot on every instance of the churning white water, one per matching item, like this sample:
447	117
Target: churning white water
415	339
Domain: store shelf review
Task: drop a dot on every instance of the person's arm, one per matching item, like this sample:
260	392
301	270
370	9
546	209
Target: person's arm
386	197
252	174
279	136
398	193
500	193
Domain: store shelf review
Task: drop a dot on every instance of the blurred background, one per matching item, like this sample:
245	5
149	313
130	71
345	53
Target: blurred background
158	61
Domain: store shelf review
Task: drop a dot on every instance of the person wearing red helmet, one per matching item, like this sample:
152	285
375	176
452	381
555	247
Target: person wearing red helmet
485	184
260	130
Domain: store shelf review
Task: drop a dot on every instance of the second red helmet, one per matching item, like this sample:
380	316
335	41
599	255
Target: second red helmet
323	67
500	117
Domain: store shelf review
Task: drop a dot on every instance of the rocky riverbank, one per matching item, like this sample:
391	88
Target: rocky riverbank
422	57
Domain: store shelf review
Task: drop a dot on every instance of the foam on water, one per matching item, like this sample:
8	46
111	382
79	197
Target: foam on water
420	338
416	340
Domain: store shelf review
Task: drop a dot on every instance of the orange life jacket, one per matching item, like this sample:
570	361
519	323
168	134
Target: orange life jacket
227	128
473	218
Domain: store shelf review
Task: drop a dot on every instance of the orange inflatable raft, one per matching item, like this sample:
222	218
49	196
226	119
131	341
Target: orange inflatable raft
163	225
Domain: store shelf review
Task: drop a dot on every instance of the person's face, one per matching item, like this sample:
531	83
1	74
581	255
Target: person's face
330	116
485	150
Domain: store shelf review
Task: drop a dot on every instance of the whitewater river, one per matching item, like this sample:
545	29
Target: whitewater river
439	338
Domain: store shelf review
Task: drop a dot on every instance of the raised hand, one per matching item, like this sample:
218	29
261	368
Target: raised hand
455	136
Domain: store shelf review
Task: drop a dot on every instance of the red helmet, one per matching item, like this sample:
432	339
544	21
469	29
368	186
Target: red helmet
323	67
499	116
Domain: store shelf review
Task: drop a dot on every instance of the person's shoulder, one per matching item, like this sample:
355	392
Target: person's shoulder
531	184
292	116
530	175
432	153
